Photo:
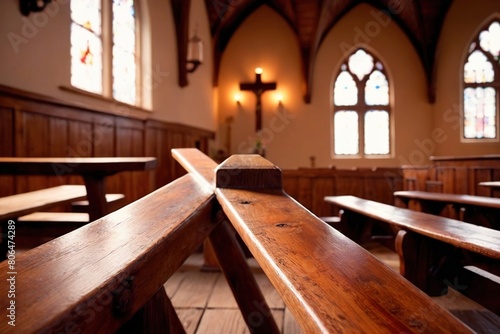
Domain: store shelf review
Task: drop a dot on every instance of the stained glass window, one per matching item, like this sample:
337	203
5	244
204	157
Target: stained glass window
482	84
361	121
346	91
124	71
86	45
376	132
104	35
346	132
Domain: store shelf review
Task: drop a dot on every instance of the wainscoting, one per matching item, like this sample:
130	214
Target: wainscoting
32	125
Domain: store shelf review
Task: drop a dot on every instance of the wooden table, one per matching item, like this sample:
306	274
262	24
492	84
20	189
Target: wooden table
93	171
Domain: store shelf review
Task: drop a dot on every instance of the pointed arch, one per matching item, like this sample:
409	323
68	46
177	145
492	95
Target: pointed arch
361	107
481	85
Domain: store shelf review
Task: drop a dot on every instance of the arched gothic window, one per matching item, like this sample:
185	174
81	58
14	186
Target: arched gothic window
104	44
482	85
361	115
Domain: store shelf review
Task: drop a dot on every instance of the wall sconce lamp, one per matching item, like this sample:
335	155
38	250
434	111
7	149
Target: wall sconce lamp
28	6
237	98
279	97
194	53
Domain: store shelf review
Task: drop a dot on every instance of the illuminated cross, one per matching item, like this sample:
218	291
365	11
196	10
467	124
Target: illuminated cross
258	87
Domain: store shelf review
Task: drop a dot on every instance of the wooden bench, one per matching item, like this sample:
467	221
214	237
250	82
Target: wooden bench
435	252
55	224
478	210
115	202
109	274
14	206
45	226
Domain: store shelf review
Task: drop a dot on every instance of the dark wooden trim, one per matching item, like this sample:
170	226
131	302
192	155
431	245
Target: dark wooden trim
465	158
180	11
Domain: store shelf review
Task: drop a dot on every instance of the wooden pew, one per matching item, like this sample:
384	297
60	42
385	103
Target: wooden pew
478	210
14	206
109	274
329	283
434	251
114	201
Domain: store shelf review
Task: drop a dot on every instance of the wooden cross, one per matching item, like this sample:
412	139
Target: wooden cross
258	88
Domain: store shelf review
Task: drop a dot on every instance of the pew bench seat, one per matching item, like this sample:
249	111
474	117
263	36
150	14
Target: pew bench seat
41	217
115	201
435	252
478	210
14	206
40	227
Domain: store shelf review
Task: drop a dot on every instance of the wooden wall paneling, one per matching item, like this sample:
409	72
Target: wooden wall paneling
104	136
490	160
422	176
32	140
157	145
393	181
461	180
371	185
322	185
45	126
380	185
6	129
349	182
447	176
32	134
432	173
130	143
495	177
58	147
304	195
58	137
129	137
415	177
175	140
433	186
480	174
152	148
6	147
290	182
79	142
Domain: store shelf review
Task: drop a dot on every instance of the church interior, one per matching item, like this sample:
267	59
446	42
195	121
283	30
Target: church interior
353	103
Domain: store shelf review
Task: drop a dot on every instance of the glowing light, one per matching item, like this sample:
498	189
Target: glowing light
258	70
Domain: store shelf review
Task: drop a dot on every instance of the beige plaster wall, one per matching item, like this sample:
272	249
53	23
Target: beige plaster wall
304	130
35	57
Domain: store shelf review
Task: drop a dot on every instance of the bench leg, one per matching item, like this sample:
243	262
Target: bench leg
428	264
157	316
96	195
252	304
